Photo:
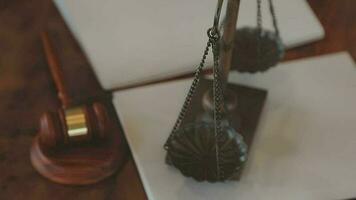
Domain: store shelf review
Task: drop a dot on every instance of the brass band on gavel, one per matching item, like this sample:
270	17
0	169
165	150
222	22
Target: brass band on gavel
76	122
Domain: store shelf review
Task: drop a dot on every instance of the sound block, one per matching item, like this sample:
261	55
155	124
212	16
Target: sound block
79	165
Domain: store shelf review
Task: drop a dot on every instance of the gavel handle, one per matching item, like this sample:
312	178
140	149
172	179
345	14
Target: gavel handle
55	69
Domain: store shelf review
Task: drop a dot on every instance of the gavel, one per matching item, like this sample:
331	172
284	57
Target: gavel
74	126
79	143
70	125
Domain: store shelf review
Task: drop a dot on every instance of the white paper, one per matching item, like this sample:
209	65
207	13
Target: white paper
304	148
134	41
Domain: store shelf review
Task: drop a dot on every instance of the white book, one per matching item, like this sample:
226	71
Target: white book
304	147
135	41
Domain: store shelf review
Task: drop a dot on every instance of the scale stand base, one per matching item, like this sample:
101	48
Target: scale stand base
244	105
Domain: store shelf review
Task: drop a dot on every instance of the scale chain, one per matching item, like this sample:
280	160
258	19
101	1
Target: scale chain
213	38
218	107
273	14
259	16
274	18
217	94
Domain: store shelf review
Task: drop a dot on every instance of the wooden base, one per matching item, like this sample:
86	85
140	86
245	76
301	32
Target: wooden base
79	165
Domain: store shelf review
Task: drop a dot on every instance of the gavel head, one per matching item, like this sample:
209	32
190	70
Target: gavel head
75	125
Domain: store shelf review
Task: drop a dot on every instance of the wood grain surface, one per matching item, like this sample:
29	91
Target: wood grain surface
27	90
339	21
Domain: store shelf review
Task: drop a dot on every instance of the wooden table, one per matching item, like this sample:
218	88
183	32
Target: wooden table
27	90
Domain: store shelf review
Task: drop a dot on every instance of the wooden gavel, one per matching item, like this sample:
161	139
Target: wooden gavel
70	125
80	143
73	126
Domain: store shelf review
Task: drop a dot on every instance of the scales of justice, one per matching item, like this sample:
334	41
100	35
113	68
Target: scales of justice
212	134
216	125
